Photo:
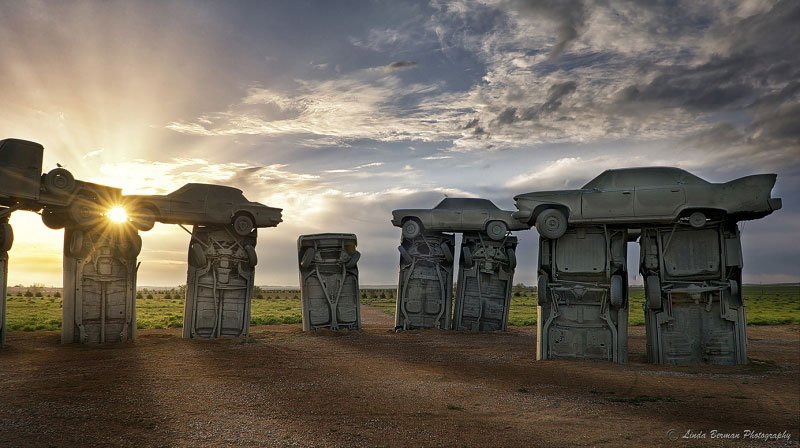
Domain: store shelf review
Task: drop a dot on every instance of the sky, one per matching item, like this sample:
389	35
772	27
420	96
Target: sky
339	112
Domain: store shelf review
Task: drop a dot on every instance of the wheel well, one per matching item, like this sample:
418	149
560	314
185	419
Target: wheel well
711	213
411	218
539	209
244	213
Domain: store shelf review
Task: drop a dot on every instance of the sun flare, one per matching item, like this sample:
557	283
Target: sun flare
117	214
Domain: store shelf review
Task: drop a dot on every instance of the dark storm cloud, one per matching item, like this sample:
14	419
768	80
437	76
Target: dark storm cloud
397	65
758	60
569	17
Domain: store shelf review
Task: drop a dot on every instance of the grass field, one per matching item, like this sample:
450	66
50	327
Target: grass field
766	305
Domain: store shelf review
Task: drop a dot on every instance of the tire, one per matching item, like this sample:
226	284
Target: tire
653	292
307	259
736	293
353	261
75	245
144	219
447	252
243	225
551	223
197	256
496	230
617	292
512	259
59	181
54	219
404	255
6	237
541	291
136	246
132	246
697	220
411	229
252	257
467	254
84	213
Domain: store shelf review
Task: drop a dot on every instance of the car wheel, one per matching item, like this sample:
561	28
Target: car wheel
617	292
132	246
496	230
697	220
404	255
512	259
551	223
735	292
653	287
308	258
466	252
6	237
243	225
144	219
54	219
59	181
353	261
252	257
197	256
84	213
541	290
411	229
75	247
447	252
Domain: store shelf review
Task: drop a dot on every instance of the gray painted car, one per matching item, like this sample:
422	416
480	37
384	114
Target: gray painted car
458	215
652	195
202	204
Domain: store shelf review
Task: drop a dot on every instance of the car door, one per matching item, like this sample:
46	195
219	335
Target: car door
663	200
474	219
190	203
446	219
609	202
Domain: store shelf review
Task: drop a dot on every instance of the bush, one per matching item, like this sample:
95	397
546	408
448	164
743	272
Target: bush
28	293
168	296
383	295
150	297
38	294
57	295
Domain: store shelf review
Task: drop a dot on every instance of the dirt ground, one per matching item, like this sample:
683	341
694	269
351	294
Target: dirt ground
375	387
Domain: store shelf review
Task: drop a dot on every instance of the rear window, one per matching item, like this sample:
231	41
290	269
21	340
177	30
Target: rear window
691	253
581	255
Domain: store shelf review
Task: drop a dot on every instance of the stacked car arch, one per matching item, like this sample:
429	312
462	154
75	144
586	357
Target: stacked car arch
690	259
486	265
100	256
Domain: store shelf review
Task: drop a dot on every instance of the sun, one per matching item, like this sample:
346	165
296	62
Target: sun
117	214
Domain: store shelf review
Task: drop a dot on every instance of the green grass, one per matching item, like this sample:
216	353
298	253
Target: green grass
766	305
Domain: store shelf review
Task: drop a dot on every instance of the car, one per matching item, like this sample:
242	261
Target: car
201	204
458	215
61	199
650	195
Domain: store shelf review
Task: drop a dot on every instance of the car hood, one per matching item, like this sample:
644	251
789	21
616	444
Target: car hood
547	194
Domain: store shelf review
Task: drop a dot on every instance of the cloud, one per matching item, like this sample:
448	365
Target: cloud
398	65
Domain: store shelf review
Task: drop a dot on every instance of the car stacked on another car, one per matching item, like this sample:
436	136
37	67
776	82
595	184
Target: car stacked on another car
201	204
651	195
458	215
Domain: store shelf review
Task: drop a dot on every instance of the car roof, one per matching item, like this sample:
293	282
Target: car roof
465	203
197	185
649	175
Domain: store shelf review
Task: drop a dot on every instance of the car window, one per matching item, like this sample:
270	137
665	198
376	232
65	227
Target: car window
691	253
190	192
585	255
603	180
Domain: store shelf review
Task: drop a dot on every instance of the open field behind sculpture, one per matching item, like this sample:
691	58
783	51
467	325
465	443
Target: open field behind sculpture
286	387
766	305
